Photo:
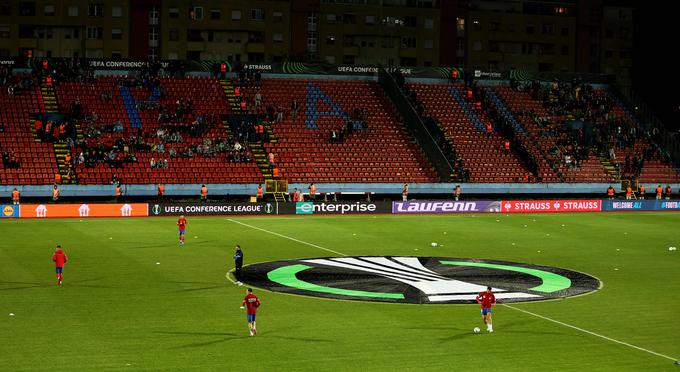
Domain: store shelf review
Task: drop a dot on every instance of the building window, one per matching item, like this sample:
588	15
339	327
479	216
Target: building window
410	21
625	53
26	31
330	40
196	13
95	10
493	46
49	10
73	11
116	11
257	14
565	31
460	24
27	9
428	44
476	46
277	37
235	15
173	13
564	50
408	61
331	19
408	42
427	63
116	34
530	29
4	53
548	28
277	16
115	54
194	35
369	20
330	59
429	23
94	33
94	53
609	53
173	35
173	55
215	14
349	19
4	32
476	25
5	10
348	60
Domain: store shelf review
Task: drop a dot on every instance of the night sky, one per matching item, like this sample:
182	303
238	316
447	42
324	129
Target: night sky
656	72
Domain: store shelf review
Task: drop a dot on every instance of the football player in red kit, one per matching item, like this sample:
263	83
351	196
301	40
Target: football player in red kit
252	303
487	299
59	258
182	224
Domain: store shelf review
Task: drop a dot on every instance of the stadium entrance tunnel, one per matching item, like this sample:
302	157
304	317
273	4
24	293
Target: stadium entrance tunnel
418	280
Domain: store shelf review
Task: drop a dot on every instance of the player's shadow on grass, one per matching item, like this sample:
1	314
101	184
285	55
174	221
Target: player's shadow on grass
23	285
227	336
214	285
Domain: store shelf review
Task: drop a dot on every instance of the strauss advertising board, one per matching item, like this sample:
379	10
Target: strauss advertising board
540	206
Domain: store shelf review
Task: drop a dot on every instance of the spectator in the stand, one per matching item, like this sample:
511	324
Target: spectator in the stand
279	115
610	192
55	193
294	108
152	163
334	136
506	146
668	192
404	192
456	192
118	127
258	100
114	179
270	158
489	129
641	192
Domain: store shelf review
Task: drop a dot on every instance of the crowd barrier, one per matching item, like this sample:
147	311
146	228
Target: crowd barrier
318	207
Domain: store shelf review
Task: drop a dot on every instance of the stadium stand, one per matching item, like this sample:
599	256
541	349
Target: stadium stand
169	132
483	155
375	149
26	160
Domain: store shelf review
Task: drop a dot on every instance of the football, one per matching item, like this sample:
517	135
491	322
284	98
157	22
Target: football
476	330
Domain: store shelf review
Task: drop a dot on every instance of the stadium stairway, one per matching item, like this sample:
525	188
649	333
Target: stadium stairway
261	159
234	101
49	97
609	167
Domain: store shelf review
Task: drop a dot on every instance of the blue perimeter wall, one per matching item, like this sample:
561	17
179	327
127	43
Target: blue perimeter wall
376	188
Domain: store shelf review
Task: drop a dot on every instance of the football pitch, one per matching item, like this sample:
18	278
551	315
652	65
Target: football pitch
134	299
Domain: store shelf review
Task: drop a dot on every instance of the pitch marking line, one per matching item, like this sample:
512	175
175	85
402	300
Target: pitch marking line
512	307
591	333
286	237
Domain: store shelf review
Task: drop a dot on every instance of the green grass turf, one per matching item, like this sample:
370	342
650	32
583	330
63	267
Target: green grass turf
117	309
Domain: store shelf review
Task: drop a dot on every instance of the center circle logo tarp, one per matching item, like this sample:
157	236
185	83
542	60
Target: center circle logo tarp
421	280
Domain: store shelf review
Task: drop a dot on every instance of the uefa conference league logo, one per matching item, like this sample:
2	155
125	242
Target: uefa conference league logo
424	280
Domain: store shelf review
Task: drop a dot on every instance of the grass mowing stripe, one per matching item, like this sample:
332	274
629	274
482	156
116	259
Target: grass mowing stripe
591	333
286	237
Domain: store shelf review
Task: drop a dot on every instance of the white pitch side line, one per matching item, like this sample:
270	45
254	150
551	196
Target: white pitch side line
228	277
592	333
286	237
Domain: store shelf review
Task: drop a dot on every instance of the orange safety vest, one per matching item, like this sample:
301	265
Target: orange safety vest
276	172
204	191
259	192
15	195
57	178
117	190
507	145
454	74
659	190
223	67
68	158
642	190
237	91
610	191
628	191
312	190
